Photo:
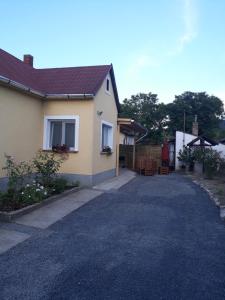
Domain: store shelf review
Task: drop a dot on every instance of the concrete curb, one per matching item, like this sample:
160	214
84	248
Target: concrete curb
12	215
115	183
212	197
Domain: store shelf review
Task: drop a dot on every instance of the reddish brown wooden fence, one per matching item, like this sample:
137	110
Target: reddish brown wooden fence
149	151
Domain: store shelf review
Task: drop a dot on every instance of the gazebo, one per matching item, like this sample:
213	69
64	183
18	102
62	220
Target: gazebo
202	141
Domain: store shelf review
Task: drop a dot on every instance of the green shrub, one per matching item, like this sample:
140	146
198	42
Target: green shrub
211	160
1	199
22	190
47	164
32	193
8	201
58	185
186	156
17	172
221	171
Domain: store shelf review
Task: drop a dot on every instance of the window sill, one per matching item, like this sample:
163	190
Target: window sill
70	151
106	153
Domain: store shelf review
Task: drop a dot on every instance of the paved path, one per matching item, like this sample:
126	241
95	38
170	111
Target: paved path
155	238
49	214
44	216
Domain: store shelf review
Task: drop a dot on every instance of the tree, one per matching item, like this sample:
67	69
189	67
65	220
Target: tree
209	110
144	108
161	119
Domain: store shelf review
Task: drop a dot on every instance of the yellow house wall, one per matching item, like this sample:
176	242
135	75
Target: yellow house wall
106	104
20	126
80	162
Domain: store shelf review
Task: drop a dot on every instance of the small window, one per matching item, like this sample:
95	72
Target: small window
107	135
107	84
60	132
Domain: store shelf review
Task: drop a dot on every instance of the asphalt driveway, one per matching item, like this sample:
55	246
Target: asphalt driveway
155	238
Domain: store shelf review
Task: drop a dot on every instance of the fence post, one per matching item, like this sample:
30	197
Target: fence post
134	150
117	149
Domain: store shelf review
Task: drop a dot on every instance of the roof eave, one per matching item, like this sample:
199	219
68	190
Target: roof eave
21	87
25	89
132	125
69	96
115	88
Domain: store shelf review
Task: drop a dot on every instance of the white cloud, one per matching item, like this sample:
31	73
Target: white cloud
190	20
137	65
133	76
141	62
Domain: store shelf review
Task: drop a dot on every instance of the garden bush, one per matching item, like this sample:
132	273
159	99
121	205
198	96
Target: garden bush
46	165
32	193
187	157
22	189
212	162
58	185
210	159
17	172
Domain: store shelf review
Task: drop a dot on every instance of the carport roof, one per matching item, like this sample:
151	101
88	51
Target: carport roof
130	126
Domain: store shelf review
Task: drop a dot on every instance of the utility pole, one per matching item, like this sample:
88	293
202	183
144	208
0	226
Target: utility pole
184	128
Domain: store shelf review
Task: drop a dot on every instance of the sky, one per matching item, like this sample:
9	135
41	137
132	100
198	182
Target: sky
165	47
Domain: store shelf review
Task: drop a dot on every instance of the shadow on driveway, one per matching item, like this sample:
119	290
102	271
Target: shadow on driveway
155	238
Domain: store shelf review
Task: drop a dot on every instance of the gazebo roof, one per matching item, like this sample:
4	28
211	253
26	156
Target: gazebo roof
202	141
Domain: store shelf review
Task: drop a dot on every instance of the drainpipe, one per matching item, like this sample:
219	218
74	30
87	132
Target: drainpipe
117	149
134	151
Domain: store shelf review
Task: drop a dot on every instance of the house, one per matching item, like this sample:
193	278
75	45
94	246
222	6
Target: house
76	106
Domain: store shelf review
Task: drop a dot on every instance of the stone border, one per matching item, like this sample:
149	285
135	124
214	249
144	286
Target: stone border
222	213
12	215
212	197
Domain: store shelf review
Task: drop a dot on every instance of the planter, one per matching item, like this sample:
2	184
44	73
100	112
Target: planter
106	150
12	215
191	167
106	153
198	168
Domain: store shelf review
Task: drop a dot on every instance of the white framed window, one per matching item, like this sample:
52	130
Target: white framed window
107	85
106	135
61	130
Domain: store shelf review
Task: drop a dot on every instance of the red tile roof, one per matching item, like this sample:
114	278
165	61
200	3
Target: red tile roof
74	80
14	69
